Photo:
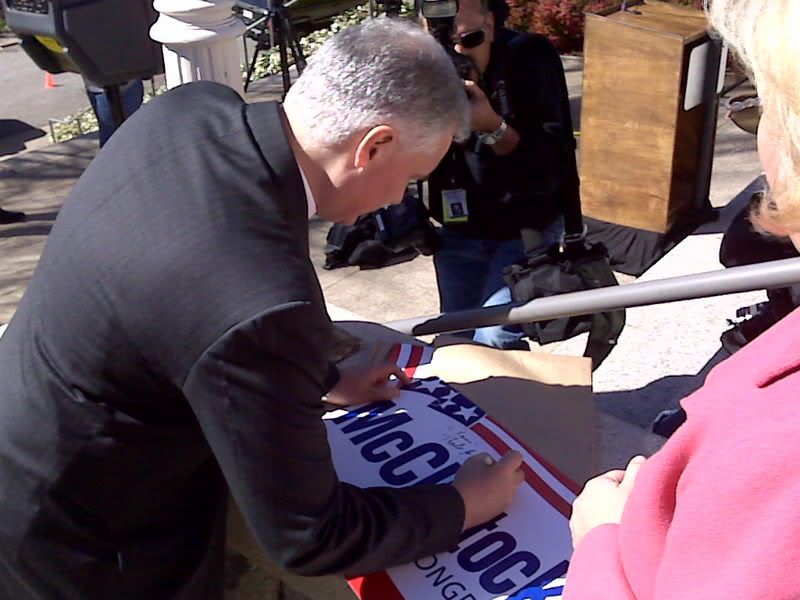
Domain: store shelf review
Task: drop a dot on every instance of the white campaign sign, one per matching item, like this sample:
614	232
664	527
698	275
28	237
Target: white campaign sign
422	438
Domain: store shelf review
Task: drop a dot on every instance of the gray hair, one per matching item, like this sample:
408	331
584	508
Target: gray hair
381	72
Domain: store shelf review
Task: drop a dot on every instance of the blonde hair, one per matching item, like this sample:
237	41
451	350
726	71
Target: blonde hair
765	35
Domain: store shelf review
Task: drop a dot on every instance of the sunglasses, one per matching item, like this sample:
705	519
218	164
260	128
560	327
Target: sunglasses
471	39
745	112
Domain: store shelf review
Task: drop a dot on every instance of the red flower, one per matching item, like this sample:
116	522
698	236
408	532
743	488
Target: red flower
562	21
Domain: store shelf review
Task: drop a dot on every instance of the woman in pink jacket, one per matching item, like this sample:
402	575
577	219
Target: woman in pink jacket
716	513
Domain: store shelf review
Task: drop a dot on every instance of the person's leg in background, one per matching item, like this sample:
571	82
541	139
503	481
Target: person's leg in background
462	266
132	94
509	337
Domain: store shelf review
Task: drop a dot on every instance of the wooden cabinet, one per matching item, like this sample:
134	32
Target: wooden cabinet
648	116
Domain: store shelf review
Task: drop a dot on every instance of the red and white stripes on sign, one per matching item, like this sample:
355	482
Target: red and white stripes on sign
410	356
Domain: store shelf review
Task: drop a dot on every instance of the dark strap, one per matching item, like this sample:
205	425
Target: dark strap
606	326
603	336
573	217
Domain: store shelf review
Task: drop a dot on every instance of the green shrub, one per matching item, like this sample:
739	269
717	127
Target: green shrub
86	121
269	62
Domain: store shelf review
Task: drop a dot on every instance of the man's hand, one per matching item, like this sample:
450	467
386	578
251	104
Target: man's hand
362	384
603	500
487	487
484	119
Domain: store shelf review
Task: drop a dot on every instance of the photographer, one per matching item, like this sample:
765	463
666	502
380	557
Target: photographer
515	170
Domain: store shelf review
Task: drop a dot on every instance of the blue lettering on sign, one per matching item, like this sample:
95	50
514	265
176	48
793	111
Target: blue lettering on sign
437	575
390	471
473	531
433	559
452	590
502	544
527	563
533	589
371	420
491	553
373	409
381	429
403	440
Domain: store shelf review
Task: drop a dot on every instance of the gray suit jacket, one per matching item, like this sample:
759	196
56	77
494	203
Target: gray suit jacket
174	339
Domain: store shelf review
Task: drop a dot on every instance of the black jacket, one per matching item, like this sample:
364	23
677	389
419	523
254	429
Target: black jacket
525	84
174	338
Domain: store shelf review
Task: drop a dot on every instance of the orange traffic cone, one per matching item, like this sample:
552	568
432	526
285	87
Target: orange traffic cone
49	82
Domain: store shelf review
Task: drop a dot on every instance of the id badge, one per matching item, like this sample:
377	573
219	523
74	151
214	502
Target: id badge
454	206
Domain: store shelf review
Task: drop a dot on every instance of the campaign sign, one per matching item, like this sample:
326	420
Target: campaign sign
423	437
411	356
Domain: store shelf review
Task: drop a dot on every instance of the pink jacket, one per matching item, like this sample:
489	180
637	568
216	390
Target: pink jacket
716	513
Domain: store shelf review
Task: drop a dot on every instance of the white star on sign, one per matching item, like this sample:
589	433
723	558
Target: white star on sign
467	413
445	403
451	393
428	385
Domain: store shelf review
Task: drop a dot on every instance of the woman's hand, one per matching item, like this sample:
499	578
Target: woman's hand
362	384
603	500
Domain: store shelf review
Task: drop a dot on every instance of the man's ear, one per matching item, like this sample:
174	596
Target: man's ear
490	27
376	142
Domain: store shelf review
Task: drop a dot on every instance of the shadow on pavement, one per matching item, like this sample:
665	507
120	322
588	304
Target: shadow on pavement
26	229
662	394
14	134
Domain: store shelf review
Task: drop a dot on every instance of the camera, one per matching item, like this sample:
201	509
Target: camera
440	16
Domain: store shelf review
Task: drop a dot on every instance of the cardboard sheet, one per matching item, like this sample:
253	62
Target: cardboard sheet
539	401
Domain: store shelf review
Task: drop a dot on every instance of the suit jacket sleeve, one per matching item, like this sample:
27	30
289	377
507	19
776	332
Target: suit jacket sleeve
256	393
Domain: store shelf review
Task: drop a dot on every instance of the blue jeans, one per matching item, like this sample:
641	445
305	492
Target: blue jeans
132	94
469	273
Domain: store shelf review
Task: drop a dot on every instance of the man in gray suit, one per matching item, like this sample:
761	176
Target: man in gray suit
173	342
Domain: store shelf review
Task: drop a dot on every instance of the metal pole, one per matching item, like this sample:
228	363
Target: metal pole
775	274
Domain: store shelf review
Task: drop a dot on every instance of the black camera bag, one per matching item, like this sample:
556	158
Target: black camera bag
387	236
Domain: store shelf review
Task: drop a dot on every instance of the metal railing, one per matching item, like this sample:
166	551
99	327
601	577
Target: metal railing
775	274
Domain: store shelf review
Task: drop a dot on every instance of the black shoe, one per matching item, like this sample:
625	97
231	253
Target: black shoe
668	421
10	216
761	317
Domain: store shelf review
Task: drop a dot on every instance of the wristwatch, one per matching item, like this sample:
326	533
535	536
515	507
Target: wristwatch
492	137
